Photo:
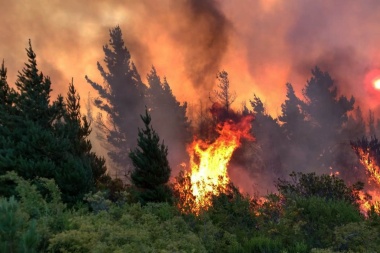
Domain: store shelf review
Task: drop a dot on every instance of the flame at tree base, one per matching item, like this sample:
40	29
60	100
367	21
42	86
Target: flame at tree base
208	162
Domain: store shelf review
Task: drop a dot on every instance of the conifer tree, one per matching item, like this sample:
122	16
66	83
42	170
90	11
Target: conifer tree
121	98
292	118
78	129
151	168
44	139
327	113
6	93
267	133
34	88
223	95
168	116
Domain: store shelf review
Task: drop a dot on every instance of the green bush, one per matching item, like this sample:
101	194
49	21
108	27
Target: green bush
128	228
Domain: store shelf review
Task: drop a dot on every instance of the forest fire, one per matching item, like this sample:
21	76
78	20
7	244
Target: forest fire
370	164
208	163
373	170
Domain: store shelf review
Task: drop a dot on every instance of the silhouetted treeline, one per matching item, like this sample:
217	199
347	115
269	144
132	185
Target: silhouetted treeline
123	97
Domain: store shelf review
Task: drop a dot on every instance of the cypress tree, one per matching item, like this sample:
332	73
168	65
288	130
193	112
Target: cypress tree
151	168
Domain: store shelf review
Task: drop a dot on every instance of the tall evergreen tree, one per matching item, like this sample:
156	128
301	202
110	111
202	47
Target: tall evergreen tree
326	110
269	139
6	93
327	113
169	117
121	98
292	118
45	139
151	168
78	130
34	89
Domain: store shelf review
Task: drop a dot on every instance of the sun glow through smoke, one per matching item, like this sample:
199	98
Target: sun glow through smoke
376	84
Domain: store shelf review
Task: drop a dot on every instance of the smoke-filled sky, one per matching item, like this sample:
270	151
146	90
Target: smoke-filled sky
262	44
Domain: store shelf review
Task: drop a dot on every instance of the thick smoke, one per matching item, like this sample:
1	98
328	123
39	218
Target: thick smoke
205	38
197	32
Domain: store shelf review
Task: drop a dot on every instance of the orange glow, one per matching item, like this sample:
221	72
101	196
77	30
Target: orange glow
369	201
372	87
208	163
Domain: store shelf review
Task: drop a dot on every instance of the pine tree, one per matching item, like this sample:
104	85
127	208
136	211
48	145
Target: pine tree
151	168
121	98
6	93
78	129
169	117
326	110
34	89
44	139
269	139
327	113
292	118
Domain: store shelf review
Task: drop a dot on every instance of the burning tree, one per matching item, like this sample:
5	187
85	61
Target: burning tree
368	152
208	163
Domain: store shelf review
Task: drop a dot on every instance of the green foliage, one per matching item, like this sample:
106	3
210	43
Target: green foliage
356	237
324	186
262	244
151	168
234	213
29	222
17	232
312	221
40	138
128	228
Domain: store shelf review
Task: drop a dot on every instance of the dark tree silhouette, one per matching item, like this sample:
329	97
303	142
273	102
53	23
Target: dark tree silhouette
268	139
223	94
169	117
327	113
292	118
121	98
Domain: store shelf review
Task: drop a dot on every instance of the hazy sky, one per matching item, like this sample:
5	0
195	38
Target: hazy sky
262	44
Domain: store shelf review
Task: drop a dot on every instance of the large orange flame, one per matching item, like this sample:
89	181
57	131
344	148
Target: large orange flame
208	162
371	200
